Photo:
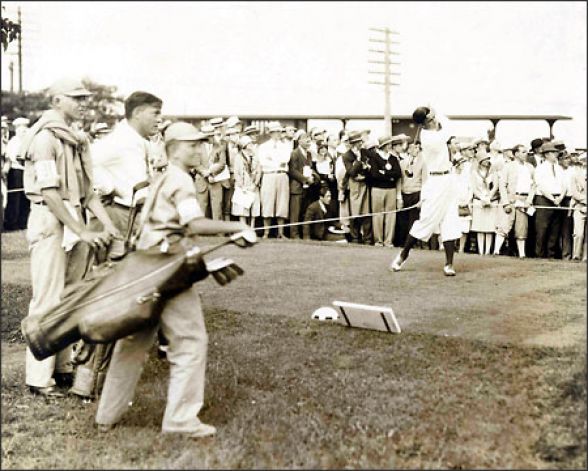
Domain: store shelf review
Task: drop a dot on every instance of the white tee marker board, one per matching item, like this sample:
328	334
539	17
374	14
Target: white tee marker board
367	317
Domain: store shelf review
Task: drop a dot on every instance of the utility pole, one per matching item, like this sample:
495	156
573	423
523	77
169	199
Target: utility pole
20	53
387	52
11	69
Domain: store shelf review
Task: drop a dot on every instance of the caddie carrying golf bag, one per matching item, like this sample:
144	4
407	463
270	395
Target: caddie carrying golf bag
116	299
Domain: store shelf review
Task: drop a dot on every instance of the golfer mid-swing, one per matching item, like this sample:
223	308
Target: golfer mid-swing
439	199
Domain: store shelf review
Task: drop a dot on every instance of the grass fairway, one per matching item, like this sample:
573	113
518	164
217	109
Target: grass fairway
489	371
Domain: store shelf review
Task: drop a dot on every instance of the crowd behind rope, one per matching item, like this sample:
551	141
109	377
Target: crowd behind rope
287	175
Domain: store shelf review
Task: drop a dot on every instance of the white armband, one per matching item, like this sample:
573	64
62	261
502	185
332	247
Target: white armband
189	209
46	171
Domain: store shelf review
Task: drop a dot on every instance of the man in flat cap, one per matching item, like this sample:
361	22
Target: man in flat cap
58	182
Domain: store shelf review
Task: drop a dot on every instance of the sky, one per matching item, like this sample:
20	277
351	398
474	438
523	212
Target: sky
225	58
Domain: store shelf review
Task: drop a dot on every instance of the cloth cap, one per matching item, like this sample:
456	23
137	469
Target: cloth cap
549	147
216	122
207	129
252	129
232	121
230	131
274	126
183	131
290	128
355	136
559	144
404	137
399	139
21	122
382	141
69	87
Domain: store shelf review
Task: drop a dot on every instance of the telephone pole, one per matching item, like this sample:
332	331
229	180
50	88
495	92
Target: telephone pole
387	52
20	53
11	69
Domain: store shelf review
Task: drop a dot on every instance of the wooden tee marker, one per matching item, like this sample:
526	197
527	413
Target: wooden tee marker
364	316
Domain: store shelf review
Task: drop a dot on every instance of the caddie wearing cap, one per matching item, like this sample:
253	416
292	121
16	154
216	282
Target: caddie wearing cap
171	208
58	182
439	197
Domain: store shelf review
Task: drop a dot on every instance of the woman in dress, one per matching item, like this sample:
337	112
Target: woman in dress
484	179
246	200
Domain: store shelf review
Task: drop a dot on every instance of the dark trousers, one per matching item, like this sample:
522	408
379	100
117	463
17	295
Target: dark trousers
405	219
548	224
298	205
17	204
567	229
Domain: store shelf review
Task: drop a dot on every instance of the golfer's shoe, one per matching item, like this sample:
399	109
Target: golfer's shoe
397	264
203	430
448	270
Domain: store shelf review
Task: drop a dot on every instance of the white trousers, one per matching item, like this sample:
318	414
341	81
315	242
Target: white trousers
183	325
52	268
439	211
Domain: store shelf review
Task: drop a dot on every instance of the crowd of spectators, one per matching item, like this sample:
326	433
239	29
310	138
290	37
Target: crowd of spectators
521	201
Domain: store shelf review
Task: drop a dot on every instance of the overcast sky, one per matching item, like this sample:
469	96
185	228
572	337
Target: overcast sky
311	57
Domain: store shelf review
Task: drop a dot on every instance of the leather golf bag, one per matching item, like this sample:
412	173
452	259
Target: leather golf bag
116	299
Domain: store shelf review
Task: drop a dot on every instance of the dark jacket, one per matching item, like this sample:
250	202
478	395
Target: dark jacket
380	176
295	166
315	213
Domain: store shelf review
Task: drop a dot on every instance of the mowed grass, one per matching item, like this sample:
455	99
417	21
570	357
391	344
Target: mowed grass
489	371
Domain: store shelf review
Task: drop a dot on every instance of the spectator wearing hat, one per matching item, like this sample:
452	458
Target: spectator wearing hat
252	131
439	210
17	207
579	203
342	184
231	150
384	178
274	157
517	190
536	154
304	183
485	188
413	175
235	123
356	171
288	136
210	171
464	197
324	165
245	200
58	182
551	189
567	227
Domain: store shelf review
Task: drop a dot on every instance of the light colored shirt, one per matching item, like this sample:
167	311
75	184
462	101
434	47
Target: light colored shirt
13	152
412	166
169	208
550	179
524	178
120	162
273	156
569	176
434	147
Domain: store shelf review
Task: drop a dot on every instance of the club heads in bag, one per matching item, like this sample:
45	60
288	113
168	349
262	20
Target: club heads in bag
244	238
224	270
